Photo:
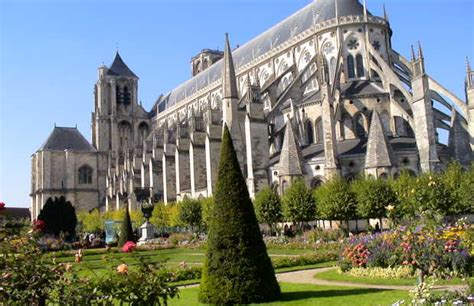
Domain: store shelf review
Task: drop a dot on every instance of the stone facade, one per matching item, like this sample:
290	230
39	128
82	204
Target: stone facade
320	94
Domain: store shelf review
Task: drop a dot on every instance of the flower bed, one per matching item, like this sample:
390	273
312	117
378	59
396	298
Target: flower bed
429	248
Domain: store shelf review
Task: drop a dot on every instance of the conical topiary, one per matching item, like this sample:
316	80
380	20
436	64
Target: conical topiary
237	268
126	230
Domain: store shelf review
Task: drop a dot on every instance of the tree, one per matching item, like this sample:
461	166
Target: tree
126	230
59	216
160	217
190	213
461	185
237	269
336	201
207	205
92	222
268	208
373	196
298	204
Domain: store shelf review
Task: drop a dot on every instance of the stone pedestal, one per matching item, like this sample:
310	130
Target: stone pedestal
147	232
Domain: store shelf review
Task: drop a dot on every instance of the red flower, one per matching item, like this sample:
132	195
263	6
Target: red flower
2	206
128	247
39	225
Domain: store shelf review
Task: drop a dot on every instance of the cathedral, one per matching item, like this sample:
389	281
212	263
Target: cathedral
322	93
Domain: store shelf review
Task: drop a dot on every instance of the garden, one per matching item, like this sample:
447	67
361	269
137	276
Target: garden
270	250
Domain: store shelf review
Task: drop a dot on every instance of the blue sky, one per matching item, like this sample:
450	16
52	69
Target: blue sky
50	52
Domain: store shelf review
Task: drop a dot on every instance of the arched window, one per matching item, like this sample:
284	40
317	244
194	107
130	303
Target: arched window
309	132
125	136
85	175
332	69
142	133
359	123
360	66
319	130
350	67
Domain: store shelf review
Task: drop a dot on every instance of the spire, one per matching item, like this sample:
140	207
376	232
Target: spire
413	55
385	14
420	50
336	10
229	83
365	11
468	65
119	68
290	157
378	148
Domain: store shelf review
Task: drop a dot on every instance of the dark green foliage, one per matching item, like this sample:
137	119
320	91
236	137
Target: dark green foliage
190	213
335	200
126	230
372	197
237	269
298	203
207	204
59	216
268	207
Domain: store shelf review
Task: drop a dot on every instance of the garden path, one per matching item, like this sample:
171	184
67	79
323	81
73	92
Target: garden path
307	277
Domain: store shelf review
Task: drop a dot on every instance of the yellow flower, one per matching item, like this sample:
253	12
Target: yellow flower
122	269
390	208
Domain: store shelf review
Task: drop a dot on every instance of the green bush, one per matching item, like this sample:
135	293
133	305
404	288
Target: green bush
92	222
460	184
268	208
237	268
190	213
126	230
336	201
298	204
319	235
207	205
59	216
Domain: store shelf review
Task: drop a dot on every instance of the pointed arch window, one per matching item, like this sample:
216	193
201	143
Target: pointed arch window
319	130
309	132
142	133
360	66
85	175
350	67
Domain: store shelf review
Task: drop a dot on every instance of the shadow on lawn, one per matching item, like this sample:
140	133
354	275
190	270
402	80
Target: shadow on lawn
304	295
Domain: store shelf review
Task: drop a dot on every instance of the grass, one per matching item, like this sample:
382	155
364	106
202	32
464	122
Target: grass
305	294
333	275
98	262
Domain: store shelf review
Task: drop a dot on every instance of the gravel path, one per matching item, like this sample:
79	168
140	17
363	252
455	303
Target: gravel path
307	277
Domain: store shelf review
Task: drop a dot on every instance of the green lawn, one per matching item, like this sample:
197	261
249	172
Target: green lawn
303	294
98	262
333	275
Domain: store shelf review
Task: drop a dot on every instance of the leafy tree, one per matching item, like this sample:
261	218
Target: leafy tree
268	208
160	217
92	222
403	187
59	216
237	269
460	184
298	203
429	193
207	205
336	201
373	196
174	214
190	213
126	230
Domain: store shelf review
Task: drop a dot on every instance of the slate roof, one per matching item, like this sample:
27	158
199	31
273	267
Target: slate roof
119	68
290	157
378	148
314	13
17	213
66	138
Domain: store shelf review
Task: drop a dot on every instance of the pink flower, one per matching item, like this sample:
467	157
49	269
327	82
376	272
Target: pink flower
128	247
39	225
2	206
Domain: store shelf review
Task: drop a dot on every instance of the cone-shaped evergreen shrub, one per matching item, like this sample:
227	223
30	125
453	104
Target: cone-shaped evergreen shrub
126	230
237	268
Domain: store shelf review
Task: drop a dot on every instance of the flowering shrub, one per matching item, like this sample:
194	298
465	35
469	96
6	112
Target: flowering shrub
427	247
2	206
129	247
39	225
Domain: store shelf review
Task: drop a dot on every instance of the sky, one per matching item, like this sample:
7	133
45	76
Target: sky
50	51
